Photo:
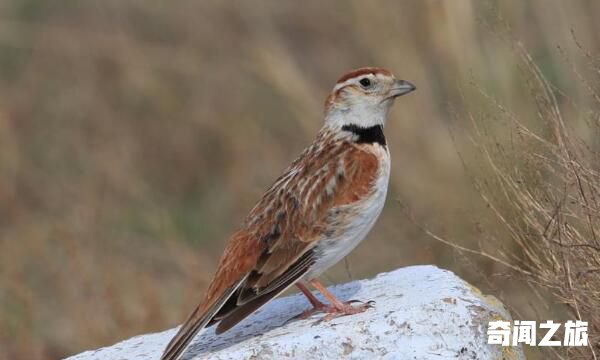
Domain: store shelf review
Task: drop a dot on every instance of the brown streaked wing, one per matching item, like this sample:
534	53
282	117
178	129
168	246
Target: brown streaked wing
295	213
263	256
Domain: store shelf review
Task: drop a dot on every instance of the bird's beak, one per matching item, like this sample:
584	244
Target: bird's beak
401	87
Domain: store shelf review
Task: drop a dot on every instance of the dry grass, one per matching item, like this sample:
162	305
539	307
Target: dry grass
135	135
542	184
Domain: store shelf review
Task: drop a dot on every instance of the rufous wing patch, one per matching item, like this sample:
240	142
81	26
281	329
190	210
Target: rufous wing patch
361	169
239	257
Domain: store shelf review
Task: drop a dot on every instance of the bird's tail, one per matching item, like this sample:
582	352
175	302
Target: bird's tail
197	321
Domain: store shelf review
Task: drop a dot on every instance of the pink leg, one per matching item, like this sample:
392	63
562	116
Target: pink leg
317	305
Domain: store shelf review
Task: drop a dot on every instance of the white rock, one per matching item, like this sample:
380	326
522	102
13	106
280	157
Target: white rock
421	312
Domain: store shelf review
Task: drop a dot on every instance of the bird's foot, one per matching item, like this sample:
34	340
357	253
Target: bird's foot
332	311
346	308
310	312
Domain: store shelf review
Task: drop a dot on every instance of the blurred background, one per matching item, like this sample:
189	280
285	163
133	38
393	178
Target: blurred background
135	136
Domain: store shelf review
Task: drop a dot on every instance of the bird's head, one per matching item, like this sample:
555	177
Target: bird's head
363	97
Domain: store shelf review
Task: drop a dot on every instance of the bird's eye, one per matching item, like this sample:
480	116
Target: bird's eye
365	82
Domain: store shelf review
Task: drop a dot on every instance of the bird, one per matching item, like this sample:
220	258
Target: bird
321	207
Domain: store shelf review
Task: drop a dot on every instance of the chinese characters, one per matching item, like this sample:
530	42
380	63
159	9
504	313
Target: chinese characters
525	332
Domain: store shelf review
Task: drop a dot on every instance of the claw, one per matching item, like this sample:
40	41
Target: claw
354	301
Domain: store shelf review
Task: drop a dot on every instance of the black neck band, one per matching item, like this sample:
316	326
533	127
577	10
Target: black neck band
373	134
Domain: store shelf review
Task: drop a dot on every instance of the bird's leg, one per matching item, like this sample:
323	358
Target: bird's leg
309	295
338	308
317	305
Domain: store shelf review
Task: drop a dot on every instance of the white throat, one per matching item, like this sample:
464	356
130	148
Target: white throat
364	116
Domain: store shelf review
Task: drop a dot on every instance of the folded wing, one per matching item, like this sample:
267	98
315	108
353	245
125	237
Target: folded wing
275	247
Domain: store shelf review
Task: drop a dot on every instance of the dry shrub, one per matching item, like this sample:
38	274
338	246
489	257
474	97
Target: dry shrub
542	183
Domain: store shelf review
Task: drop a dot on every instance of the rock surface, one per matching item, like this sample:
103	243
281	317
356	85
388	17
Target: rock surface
421	312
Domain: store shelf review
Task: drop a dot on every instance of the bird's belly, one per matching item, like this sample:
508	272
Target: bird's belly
346	234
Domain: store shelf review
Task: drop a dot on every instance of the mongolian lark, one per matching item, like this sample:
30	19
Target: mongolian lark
314	214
